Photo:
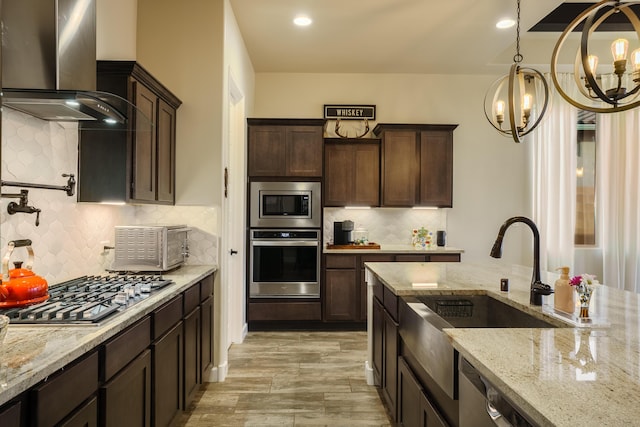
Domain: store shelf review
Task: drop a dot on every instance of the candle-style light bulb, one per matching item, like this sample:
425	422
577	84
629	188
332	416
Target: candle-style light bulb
619	49
527	101
593	64
499	112
635	61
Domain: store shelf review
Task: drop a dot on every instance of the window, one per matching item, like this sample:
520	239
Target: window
585	232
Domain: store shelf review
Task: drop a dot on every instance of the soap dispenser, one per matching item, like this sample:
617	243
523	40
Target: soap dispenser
564	293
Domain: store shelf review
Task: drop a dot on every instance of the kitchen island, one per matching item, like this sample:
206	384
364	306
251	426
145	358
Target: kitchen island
30	354
575	374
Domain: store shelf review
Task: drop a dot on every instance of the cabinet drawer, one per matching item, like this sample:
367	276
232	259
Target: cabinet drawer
62	393
10	415
444	258
85	416
340	261
376	258
191	298
206	287
163	318
285	311
122	349
390	303
411	258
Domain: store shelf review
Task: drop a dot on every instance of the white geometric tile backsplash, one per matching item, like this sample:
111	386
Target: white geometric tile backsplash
70	238
390	226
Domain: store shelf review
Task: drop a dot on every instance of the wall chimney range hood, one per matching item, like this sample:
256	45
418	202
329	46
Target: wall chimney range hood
49	62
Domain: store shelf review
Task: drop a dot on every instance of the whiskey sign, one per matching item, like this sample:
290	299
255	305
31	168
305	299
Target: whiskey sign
350	112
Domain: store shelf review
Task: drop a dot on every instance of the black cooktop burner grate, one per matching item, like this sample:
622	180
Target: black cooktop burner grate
88	299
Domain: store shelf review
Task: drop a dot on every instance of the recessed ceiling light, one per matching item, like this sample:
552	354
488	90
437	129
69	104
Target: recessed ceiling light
302	21
505	23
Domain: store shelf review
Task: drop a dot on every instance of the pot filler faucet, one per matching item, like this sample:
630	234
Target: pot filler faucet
538	289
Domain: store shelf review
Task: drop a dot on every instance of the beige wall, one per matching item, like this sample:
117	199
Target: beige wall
181	44
490	173
116	29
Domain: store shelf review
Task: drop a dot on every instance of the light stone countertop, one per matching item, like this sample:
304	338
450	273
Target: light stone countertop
30	353
394	249
583	374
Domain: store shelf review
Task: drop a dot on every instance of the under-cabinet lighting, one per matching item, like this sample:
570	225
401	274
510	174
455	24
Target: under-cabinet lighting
430	208
357	207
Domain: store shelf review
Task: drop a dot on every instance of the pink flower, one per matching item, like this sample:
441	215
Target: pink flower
575	280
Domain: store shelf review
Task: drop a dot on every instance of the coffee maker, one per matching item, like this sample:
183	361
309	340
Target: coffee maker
343	232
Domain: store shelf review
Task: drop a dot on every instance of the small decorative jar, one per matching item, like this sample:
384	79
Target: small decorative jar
585	285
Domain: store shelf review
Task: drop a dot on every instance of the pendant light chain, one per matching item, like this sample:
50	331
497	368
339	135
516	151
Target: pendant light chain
518	57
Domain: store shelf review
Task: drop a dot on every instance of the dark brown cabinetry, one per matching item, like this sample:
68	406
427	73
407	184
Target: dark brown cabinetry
417	164
285	147
11	414
385	344
345	287
414	408
351	172
63	393
134	162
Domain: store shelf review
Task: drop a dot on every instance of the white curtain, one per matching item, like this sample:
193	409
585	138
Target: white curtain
554	150
618	187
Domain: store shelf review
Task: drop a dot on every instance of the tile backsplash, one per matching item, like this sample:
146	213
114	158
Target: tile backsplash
391	226
70	240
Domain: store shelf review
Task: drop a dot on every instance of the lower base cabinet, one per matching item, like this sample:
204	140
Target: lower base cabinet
167	371
192	377
414	408
85	416
126	399
11	415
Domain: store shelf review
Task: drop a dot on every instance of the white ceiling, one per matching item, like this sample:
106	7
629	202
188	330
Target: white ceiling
391	36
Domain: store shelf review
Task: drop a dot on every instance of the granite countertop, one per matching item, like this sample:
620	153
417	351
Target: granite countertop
393	249
581	374
30	353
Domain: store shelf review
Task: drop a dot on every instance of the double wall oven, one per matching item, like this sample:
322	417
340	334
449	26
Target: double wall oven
285	239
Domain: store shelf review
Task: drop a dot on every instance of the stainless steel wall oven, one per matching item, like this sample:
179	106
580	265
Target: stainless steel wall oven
284	263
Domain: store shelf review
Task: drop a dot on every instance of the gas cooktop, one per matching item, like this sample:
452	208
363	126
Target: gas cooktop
88	300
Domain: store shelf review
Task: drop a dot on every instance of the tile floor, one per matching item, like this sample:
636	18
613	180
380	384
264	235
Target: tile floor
292	379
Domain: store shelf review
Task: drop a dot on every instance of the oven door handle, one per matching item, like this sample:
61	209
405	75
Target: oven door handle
285	243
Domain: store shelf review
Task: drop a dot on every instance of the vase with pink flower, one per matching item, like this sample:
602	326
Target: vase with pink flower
585	285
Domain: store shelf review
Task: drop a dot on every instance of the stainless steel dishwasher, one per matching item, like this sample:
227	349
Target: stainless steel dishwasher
482	405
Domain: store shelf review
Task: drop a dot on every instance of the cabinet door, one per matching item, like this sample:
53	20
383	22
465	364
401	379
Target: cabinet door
400	168
338	172
378	342
206	359
126	399
390	370
366	175
168	369
436	168
303	151
144	147
10	415
363	284
85	416
409	397
192	329
166	152
341	295
266	151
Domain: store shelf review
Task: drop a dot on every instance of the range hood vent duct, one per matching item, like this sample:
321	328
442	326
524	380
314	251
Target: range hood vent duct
49	62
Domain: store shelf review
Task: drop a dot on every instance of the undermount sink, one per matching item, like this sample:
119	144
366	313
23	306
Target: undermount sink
480	311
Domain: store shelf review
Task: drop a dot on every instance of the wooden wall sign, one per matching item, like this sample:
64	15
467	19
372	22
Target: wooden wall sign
350	112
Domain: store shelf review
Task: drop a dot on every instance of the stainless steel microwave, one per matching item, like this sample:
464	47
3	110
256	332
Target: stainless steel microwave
285	204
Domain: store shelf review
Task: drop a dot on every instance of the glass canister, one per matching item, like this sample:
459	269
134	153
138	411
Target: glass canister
360	236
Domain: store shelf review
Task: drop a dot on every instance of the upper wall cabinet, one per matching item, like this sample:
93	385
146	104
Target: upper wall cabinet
417	164
351	172
285	147
136	162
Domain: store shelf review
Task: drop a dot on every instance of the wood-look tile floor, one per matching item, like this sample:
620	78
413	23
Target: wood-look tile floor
292	379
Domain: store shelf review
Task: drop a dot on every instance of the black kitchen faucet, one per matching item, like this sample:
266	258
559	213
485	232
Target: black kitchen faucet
538	289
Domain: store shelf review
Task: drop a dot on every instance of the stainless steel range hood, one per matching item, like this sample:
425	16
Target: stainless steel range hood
49	62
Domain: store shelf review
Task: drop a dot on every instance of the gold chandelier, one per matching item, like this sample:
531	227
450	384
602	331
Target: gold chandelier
614	88
526	93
